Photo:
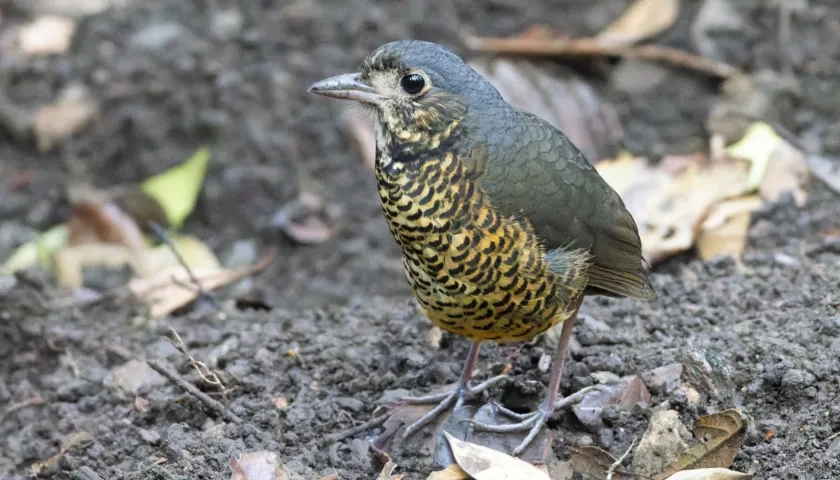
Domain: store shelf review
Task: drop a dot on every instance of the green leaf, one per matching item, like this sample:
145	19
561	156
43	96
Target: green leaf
177	189
38	251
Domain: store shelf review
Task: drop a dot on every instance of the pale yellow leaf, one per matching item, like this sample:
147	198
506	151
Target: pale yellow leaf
38	251
177	189
724	232
757	144
644	19
452	472
709	474
484	463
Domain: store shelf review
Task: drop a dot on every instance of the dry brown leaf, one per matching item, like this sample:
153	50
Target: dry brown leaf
103	222
787	171
596	463
332	476
719	437
724	232
484	463
69	262
709	474
644	19
261	465
46	35
669	209
387	472
452	472
307	220
68	115
168	290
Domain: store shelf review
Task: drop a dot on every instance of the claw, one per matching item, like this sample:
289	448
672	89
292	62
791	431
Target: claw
445	401
533	421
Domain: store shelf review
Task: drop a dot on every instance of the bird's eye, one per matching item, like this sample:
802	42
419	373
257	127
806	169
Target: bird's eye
413	83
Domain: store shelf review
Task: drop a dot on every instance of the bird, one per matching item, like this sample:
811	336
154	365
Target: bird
503	224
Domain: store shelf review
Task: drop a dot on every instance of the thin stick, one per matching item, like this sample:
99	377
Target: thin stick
617	463
564	46
194	391
372	423
164	237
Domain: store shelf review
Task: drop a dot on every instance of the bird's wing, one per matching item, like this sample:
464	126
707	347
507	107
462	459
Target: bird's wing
531	170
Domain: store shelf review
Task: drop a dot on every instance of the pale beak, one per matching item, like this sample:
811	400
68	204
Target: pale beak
349	86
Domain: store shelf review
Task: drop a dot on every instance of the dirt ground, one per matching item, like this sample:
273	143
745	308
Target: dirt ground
176	75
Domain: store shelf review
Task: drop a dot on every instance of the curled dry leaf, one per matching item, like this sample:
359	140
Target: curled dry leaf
483	463
387	472
46	35
644	19
724	232
168	289
709	474
670	208
261	465
307	220
452	472
71	112
719	438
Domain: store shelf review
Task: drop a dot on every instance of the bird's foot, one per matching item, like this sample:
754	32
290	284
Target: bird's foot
454	398
533	421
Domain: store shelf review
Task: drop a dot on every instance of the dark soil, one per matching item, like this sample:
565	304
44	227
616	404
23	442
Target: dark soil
343	332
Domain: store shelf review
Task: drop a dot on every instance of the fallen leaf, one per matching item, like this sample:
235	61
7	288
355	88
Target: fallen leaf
101	221
332	476
724	232
665	438
452	472
46	35
387	472
484	463
38	251
177	189
307	220
644	19
596	463
167	290
719	438
261	465
709	474
70	113
69	262
669	209
777	166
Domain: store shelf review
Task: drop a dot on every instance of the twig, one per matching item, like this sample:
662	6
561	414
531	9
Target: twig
200	367
29	402
372	423
202	293
564	46
617	463
194	391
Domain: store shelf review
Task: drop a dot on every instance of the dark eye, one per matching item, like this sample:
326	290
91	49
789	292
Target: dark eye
413	83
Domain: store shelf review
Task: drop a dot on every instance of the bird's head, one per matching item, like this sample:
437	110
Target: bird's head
418	89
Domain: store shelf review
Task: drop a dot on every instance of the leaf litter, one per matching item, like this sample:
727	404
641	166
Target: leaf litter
719	437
